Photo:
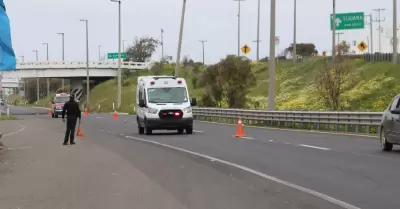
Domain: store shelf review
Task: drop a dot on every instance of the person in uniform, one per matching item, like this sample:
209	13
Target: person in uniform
73	113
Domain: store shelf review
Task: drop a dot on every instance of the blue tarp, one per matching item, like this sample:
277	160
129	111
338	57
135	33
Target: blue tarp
7	55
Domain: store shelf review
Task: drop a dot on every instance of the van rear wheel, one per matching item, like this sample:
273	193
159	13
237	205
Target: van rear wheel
189	130
180	130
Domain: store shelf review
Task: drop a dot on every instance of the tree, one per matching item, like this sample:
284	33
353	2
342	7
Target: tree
213	95
230	80
330	82
142	49
303	49
343	48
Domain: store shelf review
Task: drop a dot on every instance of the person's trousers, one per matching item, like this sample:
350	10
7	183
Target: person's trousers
70	132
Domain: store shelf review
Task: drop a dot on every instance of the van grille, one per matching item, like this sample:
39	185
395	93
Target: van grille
170	114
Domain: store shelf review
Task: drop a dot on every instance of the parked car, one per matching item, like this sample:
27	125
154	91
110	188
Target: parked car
390	125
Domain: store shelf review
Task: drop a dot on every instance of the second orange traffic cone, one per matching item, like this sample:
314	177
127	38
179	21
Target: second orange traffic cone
239	131
115	115
86	112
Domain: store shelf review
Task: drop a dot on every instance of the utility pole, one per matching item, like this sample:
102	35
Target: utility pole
202	42
178	56
333	32
379	20
271	89
62	56
37	79
395	40
294	32
162	45
87	63
238	47
371	43
338	37
258	31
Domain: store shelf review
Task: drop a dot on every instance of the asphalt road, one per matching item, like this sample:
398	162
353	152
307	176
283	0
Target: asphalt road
351	169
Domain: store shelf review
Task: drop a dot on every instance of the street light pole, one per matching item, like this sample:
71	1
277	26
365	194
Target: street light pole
202	42
47	79
239	11
63	57
123	45
87	63
271	89
294	32
338	37
162	45
395	40
99	52
119	54
333	32
37	79
178	56
47	51
258	30
379	20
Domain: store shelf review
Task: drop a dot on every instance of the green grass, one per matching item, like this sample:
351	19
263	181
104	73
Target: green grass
8	118
370	86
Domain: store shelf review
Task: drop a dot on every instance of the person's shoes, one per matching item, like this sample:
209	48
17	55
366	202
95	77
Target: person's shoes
65	143
72	143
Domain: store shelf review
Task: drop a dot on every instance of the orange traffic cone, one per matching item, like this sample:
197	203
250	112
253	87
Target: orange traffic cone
115	115
80	133
239	132
86	112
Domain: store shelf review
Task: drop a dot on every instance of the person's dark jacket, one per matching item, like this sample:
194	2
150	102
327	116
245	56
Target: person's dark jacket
72	109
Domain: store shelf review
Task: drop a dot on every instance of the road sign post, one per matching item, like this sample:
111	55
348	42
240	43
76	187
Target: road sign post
115	55
348	21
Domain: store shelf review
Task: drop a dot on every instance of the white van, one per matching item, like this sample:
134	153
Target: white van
163	104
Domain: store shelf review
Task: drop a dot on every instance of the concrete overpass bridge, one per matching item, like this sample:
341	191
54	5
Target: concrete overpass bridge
75	71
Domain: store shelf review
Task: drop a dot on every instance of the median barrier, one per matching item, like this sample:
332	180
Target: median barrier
349	122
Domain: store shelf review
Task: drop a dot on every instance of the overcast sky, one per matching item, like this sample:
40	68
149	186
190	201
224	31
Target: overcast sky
34	22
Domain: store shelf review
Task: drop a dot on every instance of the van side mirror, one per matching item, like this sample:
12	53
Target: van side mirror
142	103
194	102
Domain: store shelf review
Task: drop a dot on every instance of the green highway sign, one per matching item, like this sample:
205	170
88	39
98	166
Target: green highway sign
115	55
348	21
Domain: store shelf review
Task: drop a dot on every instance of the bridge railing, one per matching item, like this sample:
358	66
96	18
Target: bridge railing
356	122
81	64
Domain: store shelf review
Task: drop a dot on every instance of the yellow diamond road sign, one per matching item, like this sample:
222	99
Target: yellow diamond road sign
245	49
362	46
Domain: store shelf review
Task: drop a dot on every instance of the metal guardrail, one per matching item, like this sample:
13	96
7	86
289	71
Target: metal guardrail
356	122
81	64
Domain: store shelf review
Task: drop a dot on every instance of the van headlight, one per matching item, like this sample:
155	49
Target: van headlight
152	110
187	110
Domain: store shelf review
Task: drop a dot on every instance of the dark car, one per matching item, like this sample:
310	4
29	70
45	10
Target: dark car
390	126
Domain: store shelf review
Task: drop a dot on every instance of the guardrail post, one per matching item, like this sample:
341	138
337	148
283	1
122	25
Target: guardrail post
8	112
367	130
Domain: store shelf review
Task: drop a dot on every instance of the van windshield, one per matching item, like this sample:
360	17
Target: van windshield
167	95
62	99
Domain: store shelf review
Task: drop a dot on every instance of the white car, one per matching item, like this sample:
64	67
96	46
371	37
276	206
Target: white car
163	104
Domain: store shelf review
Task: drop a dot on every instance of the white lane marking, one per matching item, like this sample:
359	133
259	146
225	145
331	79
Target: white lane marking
287	143
271	140
15	132
258	173
198	131
101	130
99	117
18	148
314	147
243	137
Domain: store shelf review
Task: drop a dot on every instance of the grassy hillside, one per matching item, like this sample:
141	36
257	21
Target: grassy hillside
369	86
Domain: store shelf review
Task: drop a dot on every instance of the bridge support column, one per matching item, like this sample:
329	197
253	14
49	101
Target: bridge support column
62	83
48	86
37	89
77	88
